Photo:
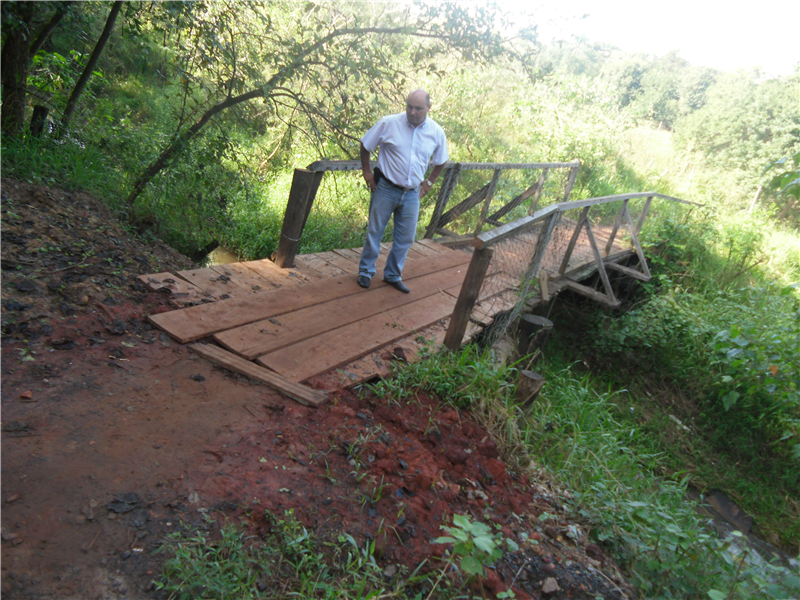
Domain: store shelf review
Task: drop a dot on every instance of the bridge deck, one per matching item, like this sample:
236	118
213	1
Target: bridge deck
314	324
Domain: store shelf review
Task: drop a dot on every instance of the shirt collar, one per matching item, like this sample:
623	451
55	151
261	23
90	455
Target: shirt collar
410	124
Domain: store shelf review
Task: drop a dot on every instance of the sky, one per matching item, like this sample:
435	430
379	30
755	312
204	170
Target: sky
725	35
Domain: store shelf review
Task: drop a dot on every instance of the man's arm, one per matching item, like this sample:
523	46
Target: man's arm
424	188
369	177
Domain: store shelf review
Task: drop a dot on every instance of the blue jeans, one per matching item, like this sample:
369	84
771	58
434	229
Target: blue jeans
388	201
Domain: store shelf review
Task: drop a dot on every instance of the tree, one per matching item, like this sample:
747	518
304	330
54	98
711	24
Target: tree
313	58
90	65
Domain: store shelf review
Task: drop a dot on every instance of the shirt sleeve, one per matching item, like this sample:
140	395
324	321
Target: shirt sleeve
440	155
373	137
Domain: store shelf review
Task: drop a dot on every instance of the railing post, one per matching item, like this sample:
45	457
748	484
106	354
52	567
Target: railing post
538	193
573	174
487	201
617	223
304	189
448	185
573	240
470	290
542	241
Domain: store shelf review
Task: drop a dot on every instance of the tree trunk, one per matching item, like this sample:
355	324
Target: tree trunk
48	27
87	71
15	61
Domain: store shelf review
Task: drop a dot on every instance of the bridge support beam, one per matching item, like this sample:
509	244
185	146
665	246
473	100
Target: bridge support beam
467	297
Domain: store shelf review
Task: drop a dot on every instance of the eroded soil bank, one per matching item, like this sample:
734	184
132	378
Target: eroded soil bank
114	435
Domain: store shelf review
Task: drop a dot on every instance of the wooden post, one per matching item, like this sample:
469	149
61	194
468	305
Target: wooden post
297	210
470	290
542	241
643	216
528	386
448	185
601	270
538	193
617	223
573	174
573	241
488	201
752	204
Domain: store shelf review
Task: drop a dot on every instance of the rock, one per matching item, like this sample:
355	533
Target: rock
457	456
550	586
594	551
26	395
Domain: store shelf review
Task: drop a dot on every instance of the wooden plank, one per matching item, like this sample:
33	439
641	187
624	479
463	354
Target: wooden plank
599	262
197	322
245	278
489	196
349	254
478	265
268	335
449	181
465	205
301	196
518	200
617	222
345	264
436	247
273	273
571	246
635	241
295	391
591	293
334	348
423	249
355	165
488	238
628	271
182	291
211	282
313	266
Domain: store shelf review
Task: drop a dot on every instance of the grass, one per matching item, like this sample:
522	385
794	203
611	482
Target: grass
287	562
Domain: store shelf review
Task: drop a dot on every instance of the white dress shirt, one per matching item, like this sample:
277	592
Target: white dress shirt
405	150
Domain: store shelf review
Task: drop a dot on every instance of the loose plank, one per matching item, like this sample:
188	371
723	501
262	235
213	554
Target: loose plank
183	291
340	346
268	335
295	391
196	322
243	277
212	282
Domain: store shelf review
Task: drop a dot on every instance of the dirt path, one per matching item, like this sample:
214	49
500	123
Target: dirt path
114	436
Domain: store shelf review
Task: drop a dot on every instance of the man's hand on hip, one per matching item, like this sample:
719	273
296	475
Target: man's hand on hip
369	177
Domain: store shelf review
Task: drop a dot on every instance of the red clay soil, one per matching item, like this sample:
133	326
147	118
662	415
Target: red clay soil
114	435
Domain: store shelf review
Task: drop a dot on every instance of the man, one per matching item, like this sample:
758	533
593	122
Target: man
407	143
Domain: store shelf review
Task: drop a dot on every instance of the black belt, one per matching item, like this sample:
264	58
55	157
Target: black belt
379	175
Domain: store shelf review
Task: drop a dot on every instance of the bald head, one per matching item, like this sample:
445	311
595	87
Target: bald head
417	105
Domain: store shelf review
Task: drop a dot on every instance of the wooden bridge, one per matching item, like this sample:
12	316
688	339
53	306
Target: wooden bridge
302	322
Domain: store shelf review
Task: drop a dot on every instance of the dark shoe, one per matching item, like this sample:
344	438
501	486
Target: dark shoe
363	281
399	285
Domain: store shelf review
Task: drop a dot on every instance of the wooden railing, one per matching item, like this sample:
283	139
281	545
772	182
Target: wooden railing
306	182
546	220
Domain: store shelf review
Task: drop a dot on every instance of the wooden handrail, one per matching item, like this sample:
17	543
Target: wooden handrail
355	165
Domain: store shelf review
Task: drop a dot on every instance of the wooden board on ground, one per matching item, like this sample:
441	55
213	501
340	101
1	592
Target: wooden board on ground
380	363
431	245
268	335
313	265
212	282
295	391
197	322
592	293
350	254
335	348
336	260
182	291
423	249
245	278
276	275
